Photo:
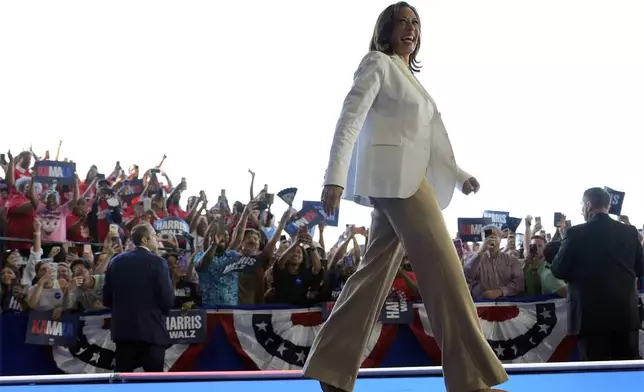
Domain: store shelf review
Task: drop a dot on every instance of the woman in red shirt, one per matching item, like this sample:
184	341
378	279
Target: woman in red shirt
20	214
77	228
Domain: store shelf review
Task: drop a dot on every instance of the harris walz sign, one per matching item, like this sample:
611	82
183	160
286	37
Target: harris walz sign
42	329
172	225
307	217
397	310
187	327
499	218
616	200
243	263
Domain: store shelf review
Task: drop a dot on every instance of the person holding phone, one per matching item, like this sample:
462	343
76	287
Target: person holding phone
105	210
491	273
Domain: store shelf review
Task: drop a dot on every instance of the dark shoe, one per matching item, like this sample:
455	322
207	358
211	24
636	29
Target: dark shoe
491	390
329	388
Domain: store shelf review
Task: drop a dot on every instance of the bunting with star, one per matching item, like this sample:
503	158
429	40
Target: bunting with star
280	339
532	332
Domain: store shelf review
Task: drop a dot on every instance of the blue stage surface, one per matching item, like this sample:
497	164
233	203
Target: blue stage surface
564	377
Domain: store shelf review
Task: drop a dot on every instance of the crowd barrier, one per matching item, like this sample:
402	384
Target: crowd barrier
530	330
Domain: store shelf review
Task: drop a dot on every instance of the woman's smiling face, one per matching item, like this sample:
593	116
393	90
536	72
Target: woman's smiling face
7	276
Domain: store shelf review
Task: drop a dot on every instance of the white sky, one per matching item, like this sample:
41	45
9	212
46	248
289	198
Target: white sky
541	99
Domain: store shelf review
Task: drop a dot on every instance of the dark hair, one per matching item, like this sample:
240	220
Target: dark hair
550	250
15	271
138	233
80	261
381	39
598	197
539	237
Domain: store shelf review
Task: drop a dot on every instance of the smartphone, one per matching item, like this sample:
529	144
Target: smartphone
558	218
147	205
488	233
155	171
100	176
458	244
348	261
115	240
270	198
3	159
53	270
87	249
183	180
533	249
568	224
548	237
114	230
537	219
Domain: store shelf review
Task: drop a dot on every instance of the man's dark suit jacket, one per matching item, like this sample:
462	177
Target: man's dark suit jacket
138	290
601	260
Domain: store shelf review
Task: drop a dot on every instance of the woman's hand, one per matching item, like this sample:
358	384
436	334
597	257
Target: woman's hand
18	292
304	238
54	252
286	215
57	313
45	279
331	195
471	185
37	225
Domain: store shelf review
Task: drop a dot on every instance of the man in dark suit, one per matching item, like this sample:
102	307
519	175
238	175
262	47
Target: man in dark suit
601	260
139	291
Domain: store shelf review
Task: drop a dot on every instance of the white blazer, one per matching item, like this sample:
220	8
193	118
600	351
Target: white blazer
390	136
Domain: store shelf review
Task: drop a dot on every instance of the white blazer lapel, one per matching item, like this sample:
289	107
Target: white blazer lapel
412	79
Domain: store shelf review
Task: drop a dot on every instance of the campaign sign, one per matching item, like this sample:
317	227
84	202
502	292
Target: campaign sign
42	329
499	218
397	311
512	223
287	195
244	263
306	217
13	304
187	327
172	225
616	201
54	172
331	220
471	229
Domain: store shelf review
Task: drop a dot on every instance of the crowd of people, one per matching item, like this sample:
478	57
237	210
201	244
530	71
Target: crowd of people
59	240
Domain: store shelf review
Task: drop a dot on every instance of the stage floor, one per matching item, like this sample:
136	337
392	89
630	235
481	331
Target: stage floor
553	378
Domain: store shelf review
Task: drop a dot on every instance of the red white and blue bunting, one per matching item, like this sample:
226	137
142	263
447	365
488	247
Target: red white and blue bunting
281	339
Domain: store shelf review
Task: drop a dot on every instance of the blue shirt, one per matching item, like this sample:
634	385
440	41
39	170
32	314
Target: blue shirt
218	289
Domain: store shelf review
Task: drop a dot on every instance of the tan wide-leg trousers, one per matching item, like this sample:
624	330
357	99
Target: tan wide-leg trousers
469	364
